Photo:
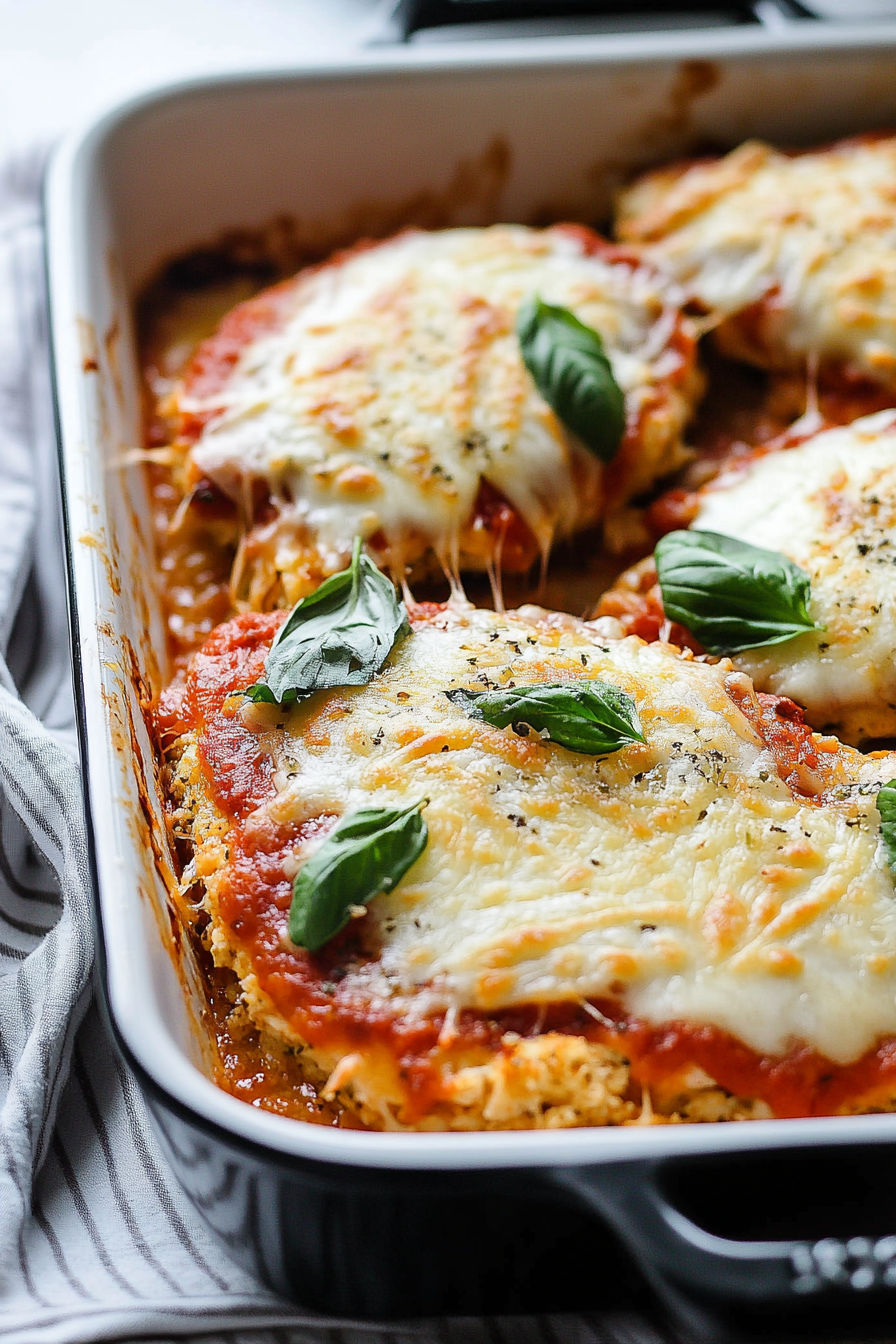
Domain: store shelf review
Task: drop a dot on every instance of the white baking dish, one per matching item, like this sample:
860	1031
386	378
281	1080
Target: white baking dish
514	131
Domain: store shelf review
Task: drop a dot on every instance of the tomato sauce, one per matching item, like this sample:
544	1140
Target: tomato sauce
254	1074
808	763
512	538
799	1083
595	245
317	993
844	396
636	602
217	356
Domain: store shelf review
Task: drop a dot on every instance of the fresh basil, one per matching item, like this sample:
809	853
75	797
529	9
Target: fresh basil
571	371
886	806
729	594
589	716
367	853
338	636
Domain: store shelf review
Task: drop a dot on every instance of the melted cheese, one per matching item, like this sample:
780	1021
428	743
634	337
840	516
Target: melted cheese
681	876
395	385
816	233
830	505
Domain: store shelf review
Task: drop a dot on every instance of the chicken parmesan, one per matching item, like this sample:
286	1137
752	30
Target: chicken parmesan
794	255
663	898
450	868
385	394
829	504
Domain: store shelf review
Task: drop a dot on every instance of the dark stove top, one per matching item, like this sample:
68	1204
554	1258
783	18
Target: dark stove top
457	20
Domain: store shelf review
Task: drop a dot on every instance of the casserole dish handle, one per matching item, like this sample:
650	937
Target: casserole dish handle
719	1288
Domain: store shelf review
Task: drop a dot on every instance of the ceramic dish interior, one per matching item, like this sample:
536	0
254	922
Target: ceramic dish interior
323	157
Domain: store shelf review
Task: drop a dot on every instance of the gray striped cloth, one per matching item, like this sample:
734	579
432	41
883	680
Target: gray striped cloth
97	1242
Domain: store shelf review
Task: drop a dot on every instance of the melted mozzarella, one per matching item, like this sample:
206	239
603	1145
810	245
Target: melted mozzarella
830	505
396	384
816	233
680	876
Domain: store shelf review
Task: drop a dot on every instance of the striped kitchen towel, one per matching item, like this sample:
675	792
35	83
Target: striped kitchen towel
96	1240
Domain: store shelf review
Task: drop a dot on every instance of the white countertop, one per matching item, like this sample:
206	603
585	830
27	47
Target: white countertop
62	59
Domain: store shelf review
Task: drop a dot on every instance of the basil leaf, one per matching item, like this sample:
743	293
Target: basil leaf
260	694
589	716
886	806
338	636
571	371
729	594
366	853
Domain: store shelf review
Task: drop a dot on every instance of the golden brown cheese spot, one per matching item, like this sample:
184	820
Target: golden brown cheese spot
358	482
724	922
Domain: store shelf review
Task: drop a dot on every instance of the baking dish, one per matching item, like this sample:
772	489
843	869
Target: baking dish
760	1224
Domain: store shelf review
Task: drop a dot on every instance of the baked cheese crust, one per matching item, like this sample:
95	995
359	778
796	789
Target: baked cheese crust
383	395
796	252
829	504
725	880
